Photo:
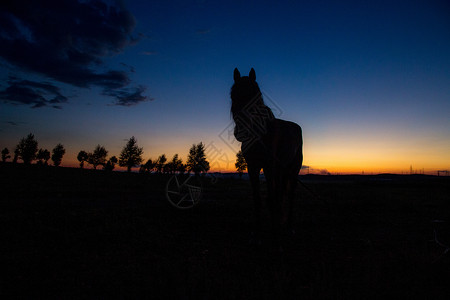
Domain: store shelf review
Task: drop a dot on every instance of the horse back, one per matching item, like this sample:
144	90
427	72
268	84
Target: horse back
285	140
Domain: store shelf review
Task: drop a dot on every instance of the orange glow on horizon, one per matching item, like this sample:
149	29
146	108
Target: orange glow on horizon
338	162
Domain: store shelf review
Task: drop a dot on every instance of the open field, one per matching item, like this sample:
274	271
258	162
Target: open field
71	233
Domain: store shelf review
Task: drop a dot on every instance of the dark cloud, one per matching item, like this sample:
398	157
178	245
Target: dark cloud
66	40
13	123
148	53
130	68
311	170
203	31
36	94
128	96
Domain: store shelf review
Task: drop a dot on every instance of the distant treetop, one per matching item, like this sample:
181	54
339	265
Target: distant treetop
27	149
196	161
131	155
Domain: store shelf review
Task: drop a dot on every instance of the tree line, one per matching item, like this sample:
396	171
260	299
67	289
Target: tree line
27	151
130	157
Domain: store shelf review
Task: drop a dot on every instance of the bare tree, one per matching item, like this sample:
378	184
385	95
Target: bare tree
131	155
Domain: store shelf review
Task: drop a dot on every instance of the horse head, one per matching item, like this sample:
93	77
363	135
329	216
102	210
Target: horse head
245	92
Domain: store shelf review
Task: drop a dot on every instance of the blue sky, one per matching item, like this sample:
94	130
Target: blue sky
368	82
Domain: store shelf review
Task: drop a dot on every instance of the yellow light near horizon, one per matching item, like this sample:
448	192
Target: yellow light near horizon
377	160
336	155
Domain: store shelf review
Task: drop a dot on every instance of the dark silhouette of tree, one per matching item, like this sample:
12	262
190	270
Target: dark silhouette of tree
27	149
109	166
175	165
182	169
160	163
241	164
16	154
5	154
43	156
98	157
147	167
168	168
82	157
196	161
131	155
57	154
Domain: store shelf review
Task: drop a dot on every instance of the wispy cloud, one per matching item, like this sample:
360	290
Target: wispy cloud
128	96
14	123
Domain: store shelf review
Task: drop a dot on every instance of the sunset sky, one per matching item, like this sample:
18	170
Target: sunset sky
368	81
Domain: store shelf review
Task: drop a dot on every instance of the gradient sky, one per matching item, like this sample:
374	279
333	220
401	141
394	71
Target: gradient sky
368	81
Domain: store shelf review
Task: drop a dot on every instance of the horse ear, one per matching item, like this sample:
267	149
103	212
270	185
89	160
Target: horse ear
252	74
236	74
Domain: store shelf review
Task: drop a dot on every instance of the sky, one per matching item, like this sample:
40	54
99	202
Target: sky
368	81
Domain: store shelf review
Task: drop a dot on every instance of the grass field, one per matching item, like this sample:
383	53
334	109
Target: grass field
72	233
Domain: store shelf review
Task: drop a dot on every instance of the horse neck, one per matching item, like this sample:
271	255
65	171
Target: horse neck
252	121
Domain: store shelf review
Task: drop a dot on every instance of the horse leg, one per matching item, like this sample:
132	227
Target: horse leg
253	172
287	194
292	184
274	185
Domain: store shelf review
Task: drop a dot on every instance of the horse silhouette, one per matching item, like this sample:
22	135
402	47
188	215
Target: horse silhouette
270	144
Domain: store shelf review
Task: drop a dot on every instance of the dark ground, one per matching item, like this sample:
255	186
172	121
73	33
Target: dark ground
71	233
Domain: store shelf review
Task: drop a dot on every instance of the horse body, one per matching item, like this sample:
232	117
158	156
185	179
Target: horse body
270	144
